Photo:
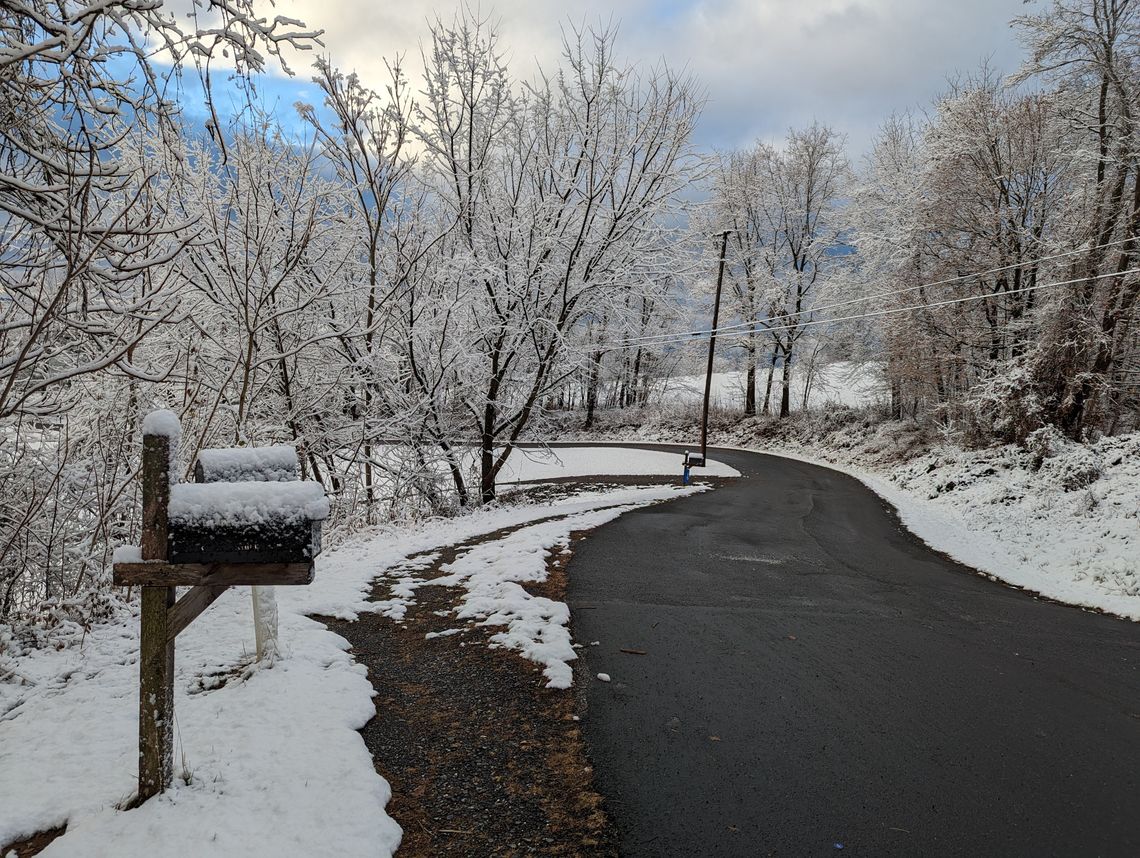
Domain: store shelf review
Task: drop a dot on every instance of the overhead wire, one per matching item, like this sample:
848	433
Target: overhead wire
886	294
667	339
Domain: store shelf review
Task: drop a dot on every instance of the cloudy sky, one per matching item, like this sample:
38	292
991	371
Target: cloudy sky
766	64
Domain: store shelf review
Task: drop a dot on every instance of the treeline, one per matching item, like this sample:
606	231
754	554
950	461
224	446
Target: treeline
985	250
438	263
398	294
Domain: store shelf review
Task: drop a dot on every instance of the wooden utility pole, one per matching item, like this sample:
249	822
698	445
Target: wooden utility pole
156	657
712	347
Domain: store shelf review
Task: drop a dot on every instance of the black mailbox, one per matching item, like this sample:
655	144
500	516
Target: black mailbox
248	505
246	522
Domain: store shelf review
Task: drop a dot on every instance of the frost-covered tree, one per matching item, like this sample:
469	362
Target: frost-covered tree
739	205
88	236
1089	50
558	190
805	182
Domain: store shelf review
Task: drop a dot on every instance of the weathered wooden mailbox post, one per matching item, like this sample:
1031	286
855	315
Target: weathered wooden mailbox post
249	519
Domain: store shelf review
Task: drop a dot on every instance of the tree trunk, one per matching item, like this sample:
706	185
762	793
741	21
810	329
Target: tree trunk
750	379
592	389
636	378
785	395
487	455
768	386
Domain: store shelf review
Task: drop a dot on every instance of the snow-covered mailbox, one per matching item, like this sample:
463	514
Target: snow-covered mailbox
249	519
247	506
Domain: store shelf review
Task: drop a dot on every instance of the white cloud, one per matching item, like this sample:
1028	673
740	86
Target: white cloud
767	64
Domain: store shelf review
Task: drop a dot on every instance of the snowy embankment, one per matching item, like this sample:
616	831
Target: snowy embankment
1058	518
268	759
1067	527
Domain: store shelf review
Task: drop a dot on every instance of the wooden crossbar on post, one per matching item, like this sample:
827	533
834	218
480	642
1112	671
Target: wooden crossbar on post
156	656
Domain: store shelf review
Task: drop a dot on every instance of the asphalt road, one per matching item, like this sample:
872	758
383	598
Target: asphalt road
819	682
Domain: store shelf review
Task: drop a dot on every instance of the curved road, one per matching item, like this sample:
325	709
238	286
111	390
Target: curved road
816	679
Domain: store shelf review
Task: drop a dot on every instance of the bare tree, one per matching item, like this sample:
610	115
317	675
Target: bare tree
805	182
1091	50
557	192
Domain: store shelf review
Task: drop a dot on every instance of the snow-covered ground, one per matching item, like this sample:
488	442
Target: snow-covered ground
555	463
534	465
490	575
838	383
268	759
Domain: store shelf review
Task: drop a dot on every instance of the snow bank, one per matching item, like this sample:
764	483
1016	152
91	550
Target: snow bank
277	463
268	760
1064	524
1068	529
272	765
1061	519
491	576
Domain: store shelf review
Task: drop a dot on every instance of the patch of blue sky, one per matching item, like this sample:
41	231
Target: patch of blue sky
667	11
271	95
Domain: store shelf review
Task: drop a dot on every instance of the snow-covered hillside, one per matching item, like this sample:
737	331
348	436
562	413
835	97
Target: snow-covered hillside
1056	517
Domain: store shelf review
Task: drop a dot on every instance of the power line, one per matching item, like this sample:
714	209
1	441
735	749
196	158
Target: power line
666	339
948	281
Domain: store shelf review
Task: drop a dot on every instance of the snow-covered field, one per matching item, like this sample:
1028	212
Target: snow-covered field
555	463
268	758
839	383
535	465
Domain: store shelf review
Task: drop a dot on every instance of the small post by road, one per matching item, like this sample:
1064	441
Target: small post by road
712	348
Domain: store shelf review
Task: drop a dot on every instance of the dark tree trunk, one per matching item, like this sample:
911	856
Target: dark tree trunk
786	393
750	380
592	389
636	377
768	386
487	455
